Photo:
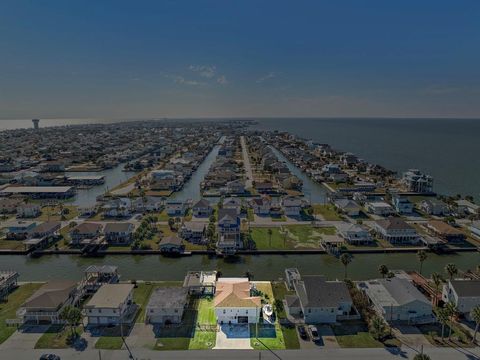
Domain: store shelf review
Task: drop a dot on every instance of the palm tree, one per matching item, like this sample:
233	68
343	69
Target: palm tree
475	315
437	281
378	328
421	256
270	233
421	357
73	316
451	310
346	259
442	316
383	270
451	270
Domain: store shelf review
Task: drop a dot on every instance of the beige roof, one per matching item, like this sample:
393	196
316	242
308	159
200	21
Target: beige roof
110	296
51	295
235	292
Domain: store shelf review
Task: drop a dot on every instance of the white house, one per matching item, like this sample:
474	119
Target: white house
202	208
292	206
354	234
380	208
110	305
396	231
402	205
475	228
398	300
28	211
234	303
175	208
261	206
349	207
465	294
434	206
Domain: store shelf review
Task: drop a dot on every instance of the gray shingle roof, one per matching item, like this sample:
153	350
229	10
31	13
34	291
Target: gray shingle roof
466	288
315	291
168	297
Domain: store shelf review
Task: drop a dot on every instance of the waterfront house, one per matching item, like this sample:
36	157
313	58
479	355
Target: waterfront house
120	233
418	182
261	206
467	207
235	187
28	211
200	282
175	208
465	294
265	187
20	230
233	203
95	276
292	206
112	304
49	229
475	229
318	301
40	192
163	180
47	303
202	208
402	205
445	231
193	231
85	231
8	282
235	303
171	245
398	300
348	207
355	234
434	206
118	208
166	306
380	208
229	239
396	231
148	204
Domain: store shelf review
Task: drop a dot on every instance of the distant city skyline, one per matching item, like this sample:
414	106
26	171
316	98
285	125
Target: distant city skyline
151	59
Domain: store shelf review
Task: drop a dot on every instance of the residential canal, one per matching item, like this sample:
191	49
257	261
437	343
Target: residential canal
313	191
113	177
264	267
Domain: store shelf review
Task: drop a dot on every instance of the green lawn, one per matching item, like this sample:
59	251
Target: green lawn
56	337
279	292
197	331
327	211
355	336
51	213
289	237
9	308
290	337
163	216
109	343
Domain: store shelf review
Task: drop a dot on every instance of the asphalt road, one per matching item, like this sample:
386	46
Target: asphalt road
330	354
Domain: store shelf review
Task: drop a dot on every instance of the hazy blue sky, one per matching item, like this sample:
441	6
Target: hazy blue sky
239	58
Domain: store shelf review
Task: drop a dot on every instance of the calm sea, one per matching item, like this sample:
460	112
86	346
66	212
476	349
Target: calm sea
448	149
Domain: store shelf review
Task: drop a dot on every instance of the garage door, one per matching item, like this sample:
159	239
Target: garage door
242	319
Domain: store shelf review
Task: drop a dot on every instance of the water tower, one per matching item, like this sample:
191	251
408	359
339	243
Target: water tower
35	123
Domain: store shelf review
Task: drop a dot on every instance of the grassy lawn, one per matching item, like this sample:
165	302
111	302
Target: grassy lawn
51	213
289	237
109	343
433	333
11	244
279	292
206	312
56	337
356	335
327	211
9	308
290	337
196	333
163	216
250	215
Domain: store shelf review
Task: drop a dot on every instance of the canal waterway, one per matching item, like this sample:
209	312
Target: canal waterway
113	177
264	267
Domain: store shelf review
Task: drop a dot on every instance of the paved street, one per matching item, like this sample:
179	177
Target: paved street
314	354
246	163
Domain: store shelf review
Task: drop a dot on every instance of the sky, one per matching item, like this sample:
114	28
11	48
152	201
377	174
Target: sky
230	58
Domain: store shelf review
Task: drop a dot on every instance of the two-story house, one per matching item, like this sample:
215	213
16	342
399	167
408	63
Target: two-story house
166	306
120	233
110	305
465	294
229	239
396	231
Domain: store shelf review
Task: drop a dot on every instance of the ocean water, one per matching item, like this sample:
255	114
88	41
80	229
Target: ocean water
447	149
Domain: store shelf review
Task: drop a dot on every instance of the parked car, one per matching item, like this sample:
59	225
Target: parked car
314	333
302	332
49	357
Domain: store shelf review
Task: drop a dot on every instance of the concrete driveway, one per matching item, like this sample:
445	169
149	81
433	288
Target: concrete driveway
24	340
233	337
411	336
